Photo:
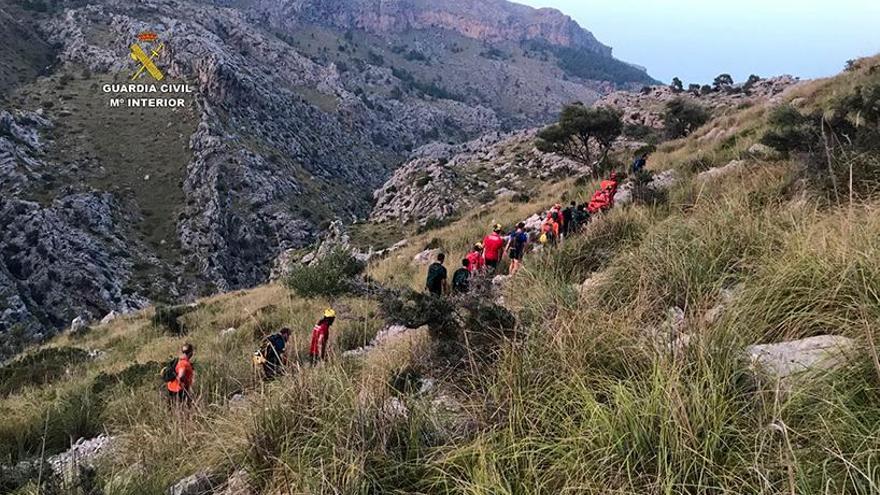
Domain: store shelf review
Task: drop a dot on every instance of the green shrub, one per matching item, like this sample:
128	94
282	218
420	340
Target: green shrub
40	367
683	117
169	318
520	197
333	275
415	309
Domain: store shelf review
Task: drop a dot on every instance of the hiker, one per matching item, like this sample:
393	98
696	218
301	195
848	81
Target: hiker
550	229
461	279
568	225
320	336
437	282
581	216
493	247
476	263
179	376
610	184
603	199
557	211
274	358
639	164
600	202
517	242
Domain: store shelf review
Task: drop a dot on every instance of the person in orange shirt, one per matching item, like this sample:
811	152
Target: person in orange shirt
180	388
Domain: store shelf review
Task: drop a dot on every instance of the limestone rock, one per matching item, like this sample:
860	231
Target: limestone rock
764	152
198	484
109	317
79	325
426	257
786	360
735	166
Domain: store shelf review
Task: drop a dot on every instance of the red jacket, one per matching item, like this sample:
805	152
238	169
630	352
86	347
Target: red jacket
320	334
493	245
475	261
185	376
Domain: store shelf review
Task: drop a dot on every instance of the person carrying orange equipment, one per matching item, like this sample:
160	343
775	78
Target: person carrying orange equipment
550	229
179	376
611	184
476	263
557	211
320	336
603	199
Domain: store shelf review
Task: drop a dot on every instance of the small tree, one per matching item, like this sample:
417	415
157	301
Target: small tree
722	81
583	134
333	275
677	86
694	88
683	117
750	82
706	90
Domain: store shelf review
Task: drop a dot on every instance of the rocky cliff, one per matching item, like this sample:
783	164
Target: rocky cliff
485	20
299	111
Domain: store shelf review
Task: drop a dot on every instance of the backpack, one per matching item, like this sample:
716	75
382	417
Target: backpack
270	351
519	240
461	280
543	239
169	372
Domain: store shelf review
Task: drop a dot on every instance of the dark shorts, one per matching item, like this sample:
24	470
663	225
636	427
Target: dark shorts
493	264
178	397
515	254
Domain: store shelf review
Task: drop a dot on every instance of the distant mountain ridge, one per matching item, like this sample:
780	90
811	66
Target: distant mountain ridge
485	20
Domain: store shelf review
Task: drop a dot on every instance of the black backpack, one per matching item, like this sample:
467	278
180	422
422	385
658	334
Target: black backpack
169	372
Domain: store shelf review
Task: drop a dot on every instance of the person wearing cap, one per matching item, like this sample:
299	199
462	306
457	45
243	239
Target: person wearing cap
476	263
493	247
320	336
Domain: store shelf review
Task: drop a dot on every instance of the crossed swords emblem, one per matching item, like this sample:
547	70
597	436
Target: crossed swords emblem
146	61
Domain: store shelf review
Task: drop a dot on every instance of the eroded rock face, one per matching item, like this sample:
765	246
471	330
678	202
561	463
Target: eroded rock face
485	20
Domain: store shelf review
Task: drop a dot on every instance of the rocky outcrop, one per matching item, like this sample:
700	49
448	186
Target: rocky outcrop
646	108
443	180
484	20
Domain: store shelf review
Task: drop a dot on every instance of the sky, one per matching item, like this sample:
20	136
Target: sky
696	40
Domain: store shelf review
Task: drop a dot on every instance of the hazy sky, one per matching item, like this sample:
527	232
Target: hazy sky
698	39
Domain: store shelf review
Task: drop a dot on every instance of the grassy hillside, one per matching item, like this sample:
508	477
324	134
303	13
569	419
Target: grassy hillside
583	400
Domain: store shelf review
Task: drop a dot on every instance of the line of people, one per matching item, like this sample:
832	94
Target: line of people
271	358
485	257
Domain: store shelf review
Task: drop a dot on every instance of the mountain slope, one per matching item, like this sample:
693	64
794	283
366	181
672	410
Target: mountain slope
632	347
299	111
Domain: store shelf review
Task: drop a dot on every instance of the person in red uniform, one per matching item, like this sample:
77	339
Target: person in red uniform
476	263
610	185
493	247
180	388
320	336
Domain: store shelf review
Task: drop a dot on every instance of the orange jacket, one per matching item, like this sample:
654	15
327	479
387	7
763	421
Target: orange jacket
185	376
